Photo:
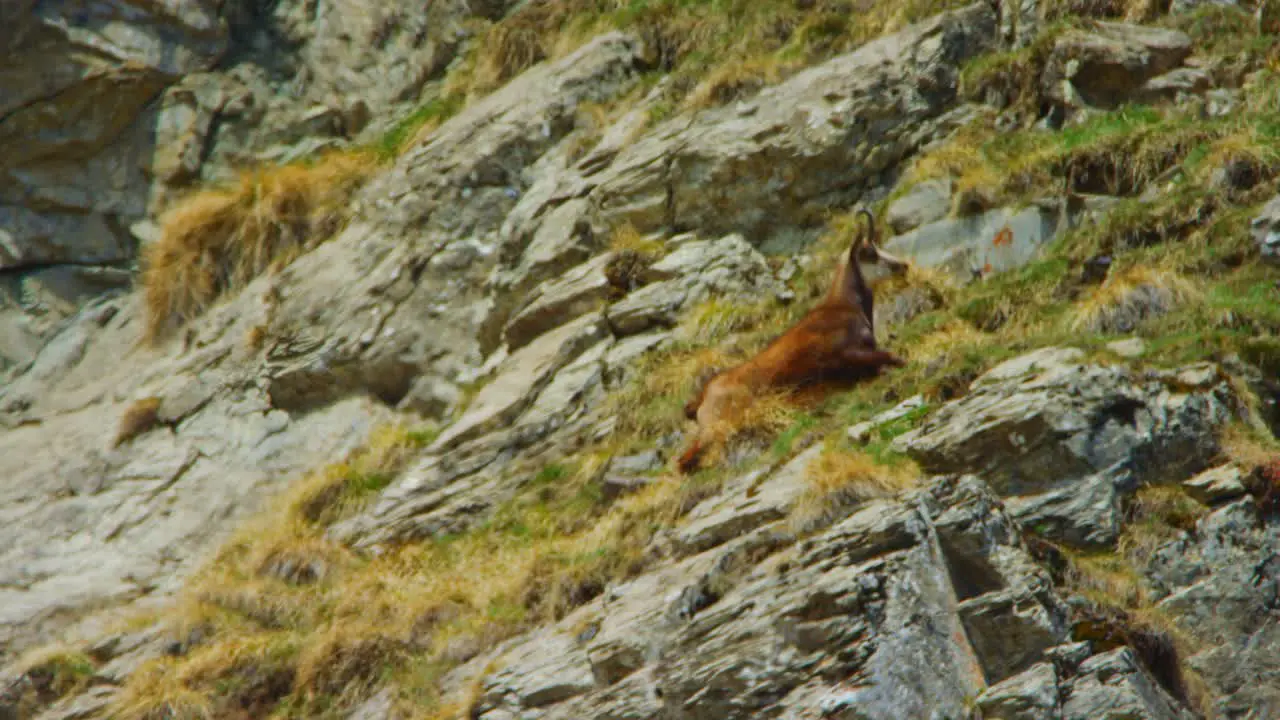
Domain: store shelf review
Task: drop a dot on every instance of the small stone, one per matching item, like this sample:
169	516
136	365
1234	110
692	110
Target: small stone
1215	485
1031	695
1265	229
277	421
641	462
1070	655
613	486
1128	348
861	432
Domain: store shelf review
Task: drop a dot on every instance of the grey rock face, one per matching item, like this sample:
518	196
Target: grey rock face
1032	695
75	98
416	258
579	291
842	123
976	246
1221	584
110	109
865	619
101	528
1112	685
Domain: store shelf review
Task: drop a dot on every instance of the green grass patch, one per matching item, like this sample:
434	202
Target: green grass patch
431	113
786	440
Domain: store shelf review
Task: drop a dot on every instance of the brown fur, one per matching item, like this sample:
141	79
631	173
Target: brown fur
833	345
137	419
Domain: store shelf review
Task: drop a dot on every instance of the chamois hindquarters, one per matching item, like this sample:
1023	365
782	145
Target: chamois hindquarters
704	379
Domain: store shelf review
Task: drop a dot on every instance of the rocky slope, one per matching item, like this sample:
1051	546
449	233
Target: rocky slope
419	470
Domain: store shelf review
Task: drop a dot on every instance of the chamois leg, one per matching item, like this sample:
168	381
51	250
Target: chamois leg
721	403
872	358
688	462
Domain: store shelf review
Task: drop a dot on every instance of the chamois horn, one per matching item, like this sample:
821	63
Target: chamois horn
871	225
868	238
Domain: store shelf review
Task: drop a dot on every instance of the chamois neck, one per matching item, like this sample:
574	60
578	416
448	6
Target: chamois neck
848	287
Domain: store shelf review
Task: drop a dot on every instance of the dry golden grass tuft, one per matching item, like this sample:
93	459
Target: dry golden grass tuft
1130	296
217	240
677	373
1248	447
839	478
626	237
955	336
726	83
1107	578
345	661
342	488
52	672
1157	515
1243	151
961	159
157	692
715	318
933	280
756	419
141	415
250	674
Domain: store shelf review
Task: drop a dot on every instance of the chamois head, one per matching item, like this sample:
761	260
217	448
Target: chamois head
873	262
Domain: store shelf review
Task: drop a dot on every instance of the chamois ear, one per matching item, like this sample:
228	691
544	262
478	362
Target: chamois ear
872	237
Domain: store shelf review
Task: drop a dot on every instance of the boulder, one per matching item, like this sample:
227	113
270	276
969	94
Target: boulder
924	203
1031	695
1116	685
725	269
1180	81
1220	583
1128	348
555	302
1064	439
519	380
1109	64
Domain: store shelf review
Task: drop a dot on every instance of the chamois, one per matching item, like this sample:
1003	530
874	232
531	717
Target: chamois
833	344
